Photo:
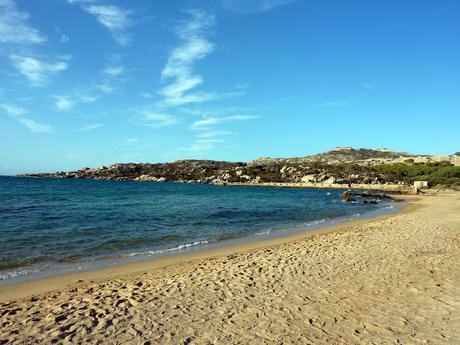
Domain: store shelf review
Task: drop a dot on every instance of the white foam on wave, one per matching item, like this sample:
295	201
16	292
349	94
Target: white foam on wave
264	232
168	250
316	222
19	273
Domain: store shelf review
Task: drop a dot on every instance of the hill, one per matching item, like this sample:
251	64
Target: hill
338	167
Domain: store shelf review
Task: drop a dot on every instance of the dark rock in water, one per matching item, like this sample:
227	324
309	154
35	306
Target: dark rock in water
365	197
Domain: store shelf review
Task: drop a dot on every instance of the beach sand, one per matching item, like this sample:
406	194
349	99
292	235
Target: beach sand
389	280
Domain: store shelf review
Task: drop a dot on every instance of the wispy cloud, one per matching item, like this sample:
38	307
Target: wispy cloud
199	147
179	67
34	126
154	118
116	19
91	127
214	134
105	86
12	109
112	74
63	103
333	104
87	99
251	6
205	142
79	1
113	71
38	72
212	121
62	36
14	27
18	114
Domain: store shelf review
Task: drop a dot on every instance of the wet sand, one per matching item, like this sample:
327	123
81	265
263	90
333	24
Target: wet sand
391	279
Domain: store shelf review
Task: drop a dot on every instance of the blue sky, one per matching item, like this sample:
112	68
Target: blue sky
95	82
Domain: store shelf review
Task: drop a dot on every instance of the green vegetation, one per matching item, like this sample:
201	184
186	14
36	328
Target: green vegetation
441	173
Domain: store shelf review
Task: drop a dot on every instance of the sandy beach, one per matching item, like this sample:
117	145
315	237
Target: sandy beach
394	279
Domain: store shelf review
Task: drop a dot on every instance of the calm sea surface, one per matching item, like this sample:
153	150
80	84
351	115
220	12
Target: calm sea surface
50	226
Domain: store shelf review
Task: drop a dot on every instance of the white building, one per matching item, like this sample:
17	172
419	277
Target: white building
420	184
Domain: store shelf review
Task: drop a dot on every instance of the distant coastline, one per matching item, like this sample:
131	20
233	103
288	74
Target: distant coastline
379	169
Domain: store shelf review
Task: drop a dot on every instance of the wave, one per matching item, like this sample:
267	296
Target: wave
28	261
316	222
173	249
14	274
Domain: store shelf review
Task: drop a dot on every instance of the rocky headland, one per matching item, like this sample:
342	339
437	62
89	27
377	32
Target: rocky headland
339	167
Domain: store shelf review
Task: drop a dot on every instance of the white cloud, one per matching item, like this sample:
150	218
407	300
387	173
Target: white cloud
18	114
78	1
64	38
35	126
14	27
267	5
153	118
202	145
63	103
115	19
251	6
199	147
105	87
36	71
113	71
91	127
88	99
181	59
333	104
12	110
212	121
242	86
214	134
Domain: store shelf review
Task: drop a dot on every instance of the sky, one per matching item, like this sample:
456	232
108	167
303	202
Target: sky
96	82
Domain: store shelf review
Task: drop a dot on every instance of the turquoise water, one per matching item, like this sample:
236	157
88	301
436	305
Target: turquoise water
49	226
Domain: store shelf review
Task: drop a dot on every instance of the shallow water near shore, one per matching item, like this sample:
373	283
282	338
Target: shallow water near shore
55	226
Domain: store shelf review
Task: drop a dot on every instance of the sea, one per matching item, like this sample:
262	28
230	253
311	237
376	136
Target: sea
55	226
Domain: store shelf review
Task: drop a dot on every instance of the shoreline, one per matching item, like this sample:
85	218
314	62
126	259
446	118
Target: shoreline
401	188
29	287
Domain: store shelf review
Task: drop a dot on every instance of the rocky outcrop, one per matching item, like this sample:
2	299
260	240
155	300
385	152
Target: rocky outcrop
360	156
342	166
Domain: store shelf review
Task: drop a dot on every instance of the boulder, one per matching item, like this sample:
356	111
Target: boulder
330	180
226	176
308	178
